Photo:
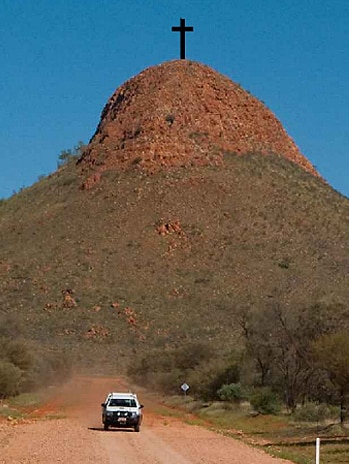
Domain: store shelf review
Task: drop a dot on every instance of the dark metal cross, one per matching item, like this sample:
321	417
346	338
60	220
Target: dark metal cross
182	29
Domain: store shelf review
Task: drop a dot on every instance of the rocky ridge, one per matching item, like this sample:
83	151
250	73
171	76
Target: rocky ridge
182	113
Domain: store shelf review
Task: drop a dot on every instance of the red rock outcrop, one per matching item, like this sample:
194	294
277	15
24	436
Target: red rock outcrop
183	113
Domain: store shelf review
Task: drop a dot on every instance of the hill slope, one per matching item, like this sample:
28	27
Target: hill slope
163	233
141	261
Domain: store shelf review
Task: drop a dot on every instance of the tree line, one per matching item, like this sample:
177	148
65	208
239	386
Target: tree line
25	365
301	354
284	355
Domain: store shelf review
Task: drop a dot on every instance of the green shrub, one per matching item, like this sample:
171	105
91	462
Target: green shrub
183	359
167	382
26	366
19	353
206	379
194	363
201	380
232	392
265	401
191	355
10	379
313	412
70	155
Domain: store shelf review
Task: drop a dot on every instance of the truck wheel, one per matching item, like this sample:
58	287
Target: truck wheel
137	428
106	426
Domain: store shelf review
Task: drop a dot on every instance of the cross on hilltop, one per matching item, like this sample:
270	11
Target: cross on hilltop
182	29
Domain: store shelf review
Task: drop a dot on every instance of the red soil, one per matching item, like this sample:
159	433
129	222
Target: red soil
182	113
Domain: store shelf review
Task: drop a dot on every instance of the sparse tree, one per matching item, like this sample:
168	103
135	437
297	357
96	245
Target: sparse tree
67	156
331	352
280	342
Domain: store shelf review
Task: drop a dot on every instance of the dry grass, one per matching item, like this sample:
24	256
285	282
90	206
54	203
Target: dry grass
255	231
278	435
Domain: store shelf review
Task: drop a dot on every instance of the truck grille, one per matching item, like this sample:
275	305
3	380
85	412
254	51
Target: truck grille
117	414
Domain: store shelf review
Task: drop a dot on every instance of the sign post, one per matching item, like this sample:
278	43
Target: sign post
317	453
185	387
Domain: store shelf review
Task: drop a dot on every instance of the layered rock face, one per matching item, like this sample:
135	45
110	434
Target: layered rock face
182	113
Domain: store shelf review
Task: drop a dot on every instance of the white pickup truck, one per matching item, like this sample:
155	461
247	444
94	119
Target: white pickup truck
122	410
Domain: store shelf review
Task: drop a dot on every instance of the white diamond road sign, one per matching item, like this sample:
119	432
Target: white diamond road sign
185	387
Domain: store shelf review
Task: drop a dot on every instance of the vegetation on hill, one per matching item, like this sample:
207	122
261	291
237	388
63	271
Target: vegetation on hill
70	155
224	275
289	358
24	365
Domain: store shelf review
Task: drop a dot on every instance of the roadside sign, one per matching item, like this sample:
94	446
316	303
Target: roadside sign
185	387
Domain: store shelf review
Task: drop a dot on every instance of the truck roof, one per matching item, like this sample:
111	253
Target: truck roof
121	395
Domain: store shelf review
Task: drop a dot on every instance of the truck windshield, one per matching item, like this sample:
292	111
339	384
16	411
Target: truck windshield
125	402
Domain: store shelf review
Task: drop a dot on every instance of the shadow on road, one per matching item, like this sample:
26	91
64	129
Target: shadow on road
101	429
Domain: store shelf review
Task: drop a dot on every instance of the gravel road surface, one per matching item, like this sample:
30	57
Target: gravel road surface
79	436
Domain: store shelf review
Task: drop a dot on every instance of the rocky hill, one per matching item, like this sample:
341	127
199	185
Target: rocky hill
180	114
178	234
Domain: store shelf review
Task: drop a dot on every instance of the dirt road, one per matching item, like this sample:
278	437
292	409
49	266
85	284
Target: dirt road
79	437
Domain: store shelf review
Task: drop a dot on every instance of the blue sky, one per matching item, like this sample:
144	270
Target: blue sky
61	60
